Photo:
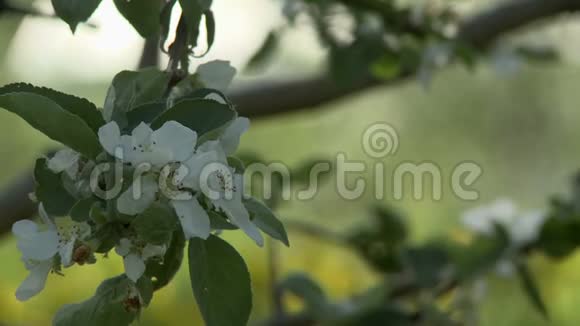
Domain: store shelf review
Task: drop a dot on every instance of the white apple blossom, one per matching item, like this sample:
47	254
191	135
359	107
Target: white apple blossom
208	172
135	257
483	219
217	74
172	142
39	244
155	147
522	228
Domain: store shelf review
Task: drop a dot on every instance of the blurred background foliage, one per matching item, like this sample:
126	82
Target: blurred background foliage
520	125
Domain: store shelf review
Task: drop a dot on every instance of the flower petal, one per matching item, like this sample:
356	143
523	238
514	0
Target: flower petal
188	174
151	251
138	197
230	140
194	219
239	216
39	246
34	283
177	139
217	74
237	212
142	135
216	97
110	137
66	252
134	267
124	247
63	160
24	229
44	216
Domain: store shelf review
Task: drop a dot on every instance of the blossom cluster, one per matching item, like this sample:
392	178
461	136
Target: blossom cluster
521	229
169	166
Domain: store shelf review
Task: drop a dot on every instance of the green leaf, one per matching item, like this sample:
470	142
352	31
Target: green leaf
531	289
51	119
163	273
50	191
75	105
192	11
302	286
210	30
142	14
144	113
428	264
81	211
478	257
265	219
107	307
264	53
106	237
156	224
220	222
131	89
198	115
146	289
74	12
559	237
220	282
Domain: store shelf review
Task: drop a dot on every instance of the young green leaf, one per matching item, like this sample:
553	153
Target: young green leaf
74	12
163	272
529	285
192	11
265	219
198	115
220	282
51	119
156	224
209	29
75	105
143	15
131	89
111	305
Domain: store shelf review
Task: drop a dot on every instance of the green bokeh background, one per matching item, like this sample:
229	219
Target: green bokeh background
521	129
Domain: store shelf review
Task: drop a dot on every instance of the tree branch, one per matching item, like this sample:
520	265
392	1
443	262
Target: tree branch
267	99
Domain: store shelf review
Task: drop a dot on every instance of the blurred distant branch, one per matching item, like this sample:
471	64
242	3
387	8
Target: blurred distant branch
479	31
268	99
